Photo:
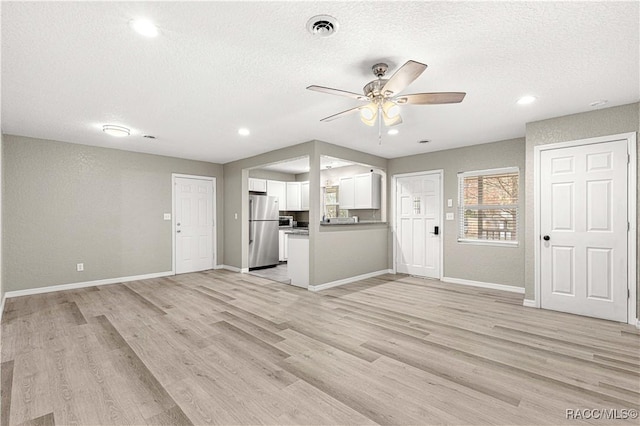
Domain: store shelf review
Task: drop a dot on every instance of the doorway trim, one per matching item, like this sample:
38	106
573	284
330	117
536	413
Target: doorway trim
214	235
394	183
632	183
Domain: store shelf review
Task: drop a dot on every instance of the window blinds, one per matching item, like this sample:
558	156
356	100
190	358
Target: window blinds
488	205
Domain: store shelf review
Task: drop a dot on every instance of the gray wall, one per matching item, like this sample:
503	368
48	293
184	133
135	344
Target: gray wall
272	175
491	264
345	251
67	203
331	252
1	231
603	122
236	201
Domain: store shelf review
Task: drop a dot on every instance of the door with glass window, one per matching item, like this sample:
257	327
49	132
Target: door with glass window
418	225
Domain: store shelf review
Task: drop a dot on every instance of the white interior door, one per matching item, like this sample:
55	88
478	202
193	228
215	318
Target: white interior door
418	225
193	224
583	225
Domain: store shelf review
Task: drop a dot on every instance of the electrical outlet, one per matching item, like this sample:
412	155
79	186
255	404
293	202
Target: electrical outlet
167	216
80	267
449	216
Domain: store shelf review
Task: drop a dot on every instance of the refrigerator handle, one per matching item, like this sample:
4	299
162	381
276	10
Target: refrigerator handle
250	216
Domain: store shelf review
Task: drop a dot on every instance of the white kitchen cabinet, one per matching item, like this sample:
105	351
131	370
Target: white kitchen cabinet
276	188
293	196
283	245
360	191
297	196
304	195
257	185
346	195
298	264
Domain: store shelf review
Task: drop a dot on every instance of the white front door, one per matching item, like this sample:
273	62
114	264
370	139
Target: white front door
583	226
193	224
418	226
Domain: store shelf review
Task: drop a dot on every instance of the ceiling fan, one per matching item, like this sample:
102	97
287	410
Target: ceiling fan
382	95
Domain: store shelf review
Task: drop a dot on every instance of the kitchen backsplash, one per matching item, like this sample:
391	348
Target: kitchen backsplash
297	216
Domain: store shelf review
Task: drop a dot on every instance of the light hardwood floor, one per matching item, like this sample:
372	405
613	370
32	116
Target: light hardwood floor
223	348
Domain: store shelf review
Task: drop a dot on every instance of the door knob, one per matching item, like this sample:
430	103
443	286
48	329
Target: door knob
546	238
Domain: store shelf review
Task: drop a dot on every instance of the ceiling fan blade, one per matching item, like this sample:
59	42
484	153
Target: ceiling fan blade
338	92
341	114
403	77
431	98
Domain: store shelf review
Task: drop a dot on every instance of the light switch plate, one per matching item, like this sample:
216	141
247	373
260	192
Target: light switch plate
449	202
449	216
167	216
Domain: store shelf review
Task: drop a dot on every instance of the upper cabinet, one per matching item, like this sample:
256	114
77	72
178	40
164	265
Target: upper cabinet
360	191
257	185
304	195
293	196
276	188
297	196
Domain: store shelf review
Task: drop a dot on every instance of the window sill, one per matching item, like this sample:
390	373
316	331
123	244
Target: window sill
510	244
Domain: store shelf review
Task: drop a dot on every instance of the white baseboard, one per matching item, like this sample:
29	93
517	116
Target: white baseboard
493	286
232	268
348	280
73	286
529	303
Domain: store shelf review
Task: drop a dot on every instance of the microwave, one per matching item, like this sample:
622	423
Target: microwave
286	221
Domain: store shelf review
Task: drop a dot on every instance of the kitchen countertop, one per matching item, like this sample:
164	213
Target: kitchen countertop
298	231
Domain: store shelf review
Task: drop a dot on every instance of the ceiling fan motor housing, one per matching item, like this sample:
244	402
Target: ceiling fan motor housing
373	88
379	70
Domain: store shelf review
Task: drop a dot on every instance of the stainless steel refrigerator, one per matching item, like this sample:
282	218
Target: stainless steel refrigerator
263	231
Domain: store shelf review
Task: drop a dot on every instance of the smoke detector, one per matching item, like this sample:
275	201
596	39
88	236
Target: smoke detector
322	26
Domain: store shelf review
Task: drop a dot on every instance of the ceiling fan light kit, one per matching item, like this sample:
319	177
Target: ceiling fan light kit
383	105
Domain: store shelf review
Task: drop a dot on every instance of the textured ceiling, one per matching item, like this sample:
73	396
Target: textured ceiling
69	67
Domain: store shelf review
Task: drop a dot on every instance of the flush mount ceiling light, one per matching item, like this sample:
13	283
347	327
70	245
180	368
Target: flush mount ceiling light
322	26
117	131
144	27
244	132
525	100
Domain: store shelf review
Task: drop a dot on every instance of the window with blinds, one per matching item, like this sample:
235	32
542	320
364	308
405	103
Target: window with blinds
488	206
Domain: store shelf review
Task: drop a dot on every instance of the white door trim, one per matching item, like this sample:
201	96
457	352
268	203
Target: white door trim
173	217
394	227
631	214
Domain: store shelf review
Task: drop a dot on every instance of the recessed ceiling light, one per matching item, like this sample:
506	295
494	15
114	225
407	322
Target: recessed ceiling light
393	132
244	132
117	131
526	100
144	27
599	103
